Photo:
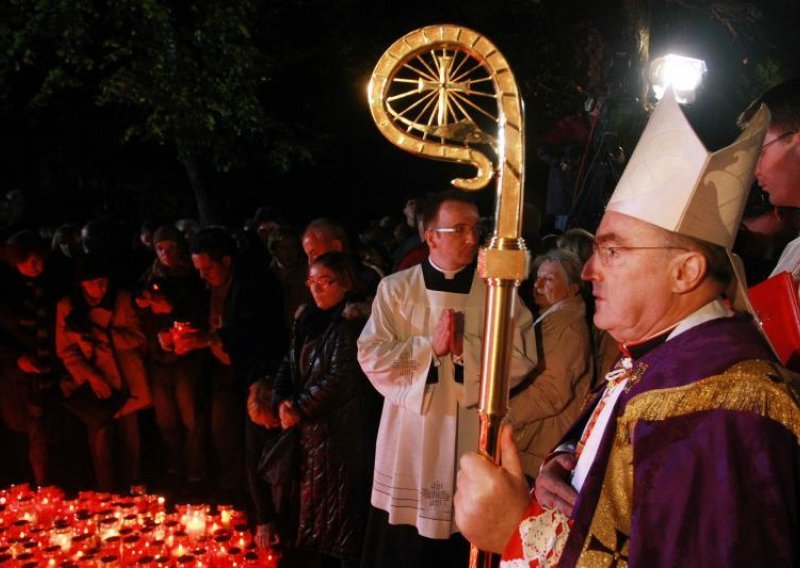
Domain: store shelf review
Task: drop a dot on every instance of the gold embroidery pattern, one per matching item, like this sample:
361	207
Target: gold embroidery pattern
754	386
608	543
618	558
751	386
635	375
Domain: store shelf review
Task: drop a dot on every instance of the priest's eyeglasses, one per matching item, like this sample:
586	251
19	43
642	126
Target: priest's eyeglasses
780	137
323	283
463	230
614	256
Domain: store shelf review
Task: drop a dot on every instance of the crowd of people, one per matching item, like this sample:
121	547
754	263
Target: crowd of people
332	388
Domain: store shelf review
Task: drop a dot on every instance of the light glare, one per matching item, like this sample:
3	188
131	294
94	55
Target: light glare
683	73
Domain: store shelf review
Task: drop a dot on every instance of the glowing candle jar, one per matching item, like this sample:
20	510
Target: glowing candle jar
146	532
18	528
30	514
177	537
83	521
70	506
219	546
108	527
157	507
19	490
225	515
201	555
171	526
187	560
132	547
195	523
157	548
83	542
241	536
61	534
112	545
179	550
234	556
53	553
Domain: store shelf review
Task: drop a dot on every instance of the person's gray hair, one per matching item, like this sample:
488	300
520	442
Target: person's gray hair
328	229
569	262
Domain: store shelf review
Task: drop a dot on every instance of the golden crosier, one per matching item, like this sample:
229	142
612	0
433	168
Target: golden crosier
447	93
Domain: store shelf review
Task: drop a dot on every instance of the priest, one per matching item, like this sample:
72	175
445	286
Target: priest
421	350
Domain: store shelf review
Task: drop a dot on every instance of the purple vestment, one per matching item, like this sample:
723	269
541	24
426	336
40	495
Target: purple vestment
715	487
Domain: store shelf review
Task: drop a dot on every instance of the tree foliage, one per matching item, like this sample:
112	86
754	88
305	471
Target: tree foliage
271	92
178	71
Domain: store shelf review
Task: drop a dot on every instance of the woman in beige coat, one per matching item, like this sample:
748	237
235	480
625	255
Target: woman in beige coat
99	340
545	405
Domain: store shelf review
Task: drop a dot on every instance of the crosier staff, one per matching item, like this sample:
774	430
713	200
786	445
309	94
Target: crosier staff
436	92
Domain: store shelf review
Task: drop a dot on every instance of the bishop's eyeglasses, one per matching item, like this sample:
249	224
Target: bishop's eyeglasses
615	255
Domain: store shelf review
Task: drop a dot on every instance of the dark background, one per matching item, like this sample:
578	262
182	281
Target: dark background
295	131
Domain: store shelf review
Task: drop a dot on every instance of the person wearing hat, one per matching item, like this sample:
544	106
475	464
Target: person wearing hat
100	342
689	456
28	365
173	295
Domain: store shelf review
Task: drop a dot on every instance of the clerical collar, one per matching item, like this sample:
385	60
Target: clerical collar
448	274
635	350
456	281
713	310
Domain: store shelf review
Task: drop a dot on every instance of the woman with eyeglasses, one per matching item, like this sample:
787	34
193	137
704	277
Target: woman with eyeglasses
321	390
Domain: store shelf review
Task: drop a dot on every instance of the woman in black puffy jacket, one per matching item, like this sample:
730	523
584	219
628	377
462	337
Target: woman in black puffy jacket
322	391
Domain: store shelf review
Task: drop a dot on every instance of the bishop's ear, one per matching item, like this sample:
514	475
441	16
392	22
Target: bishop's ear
689	269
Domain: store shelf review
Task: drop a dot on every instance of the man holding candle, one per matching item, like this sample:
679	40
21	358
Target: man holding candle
246	336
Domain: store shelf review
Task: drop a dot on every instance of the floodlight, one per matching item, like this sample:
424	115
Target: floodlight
683	73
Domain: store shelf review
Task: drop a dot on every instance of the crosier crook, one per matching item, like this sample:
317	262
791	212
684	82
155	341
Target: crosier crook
429	94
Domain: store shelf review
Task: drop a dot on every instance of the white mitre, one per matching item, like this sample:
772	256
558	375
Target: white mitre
673	182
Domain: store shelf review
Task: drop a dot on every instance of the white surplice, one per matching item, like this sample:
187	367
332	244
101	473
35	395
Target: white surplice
424	429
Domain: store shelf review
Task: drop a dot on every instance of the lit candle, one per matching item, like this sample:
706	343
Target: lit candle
225	514
179	551
241	536
195	523
108	527
61	534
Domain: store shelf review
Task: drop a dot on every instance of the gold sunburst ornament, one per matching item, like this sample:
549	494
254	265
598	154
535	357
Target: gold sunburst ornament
447	93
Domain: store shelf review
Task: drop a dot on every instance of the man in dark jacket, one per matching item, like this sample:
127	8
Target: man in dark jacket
246	336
